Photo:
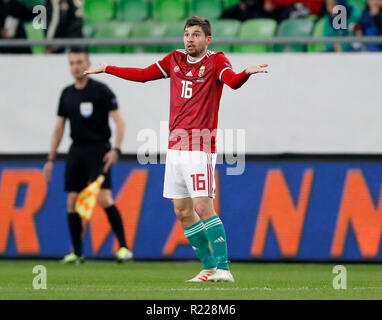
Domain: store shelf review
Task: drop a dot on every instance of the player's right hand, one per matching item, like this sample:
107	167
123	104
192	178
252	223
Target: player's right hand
47	170
100	69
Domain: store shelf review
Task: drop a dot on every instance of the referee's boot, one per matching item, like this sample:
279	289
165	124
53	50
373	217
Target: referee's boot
123	254
72	258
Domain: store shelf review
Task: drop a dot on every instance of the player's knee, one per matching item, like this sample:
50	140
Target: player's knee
203	210
105	198
105	201
71	201
182	213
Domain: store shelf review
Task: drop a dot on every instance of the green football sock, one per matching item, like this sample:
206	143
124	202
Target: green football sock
217	238
197	236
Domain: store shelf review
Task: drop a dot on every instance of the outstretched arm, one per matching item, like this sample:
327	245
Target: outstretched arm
236	80
133	74
226	75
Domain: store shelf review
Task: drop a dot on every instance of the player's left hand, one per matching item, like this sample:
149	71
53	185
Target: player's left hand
100	69
257	68
110	158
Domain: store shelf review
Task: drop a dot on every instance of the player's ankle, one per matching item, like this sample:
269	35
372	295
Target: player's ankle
223	265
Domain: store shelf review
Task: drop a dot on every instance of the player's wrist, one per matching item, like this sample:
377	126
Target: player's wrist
118	150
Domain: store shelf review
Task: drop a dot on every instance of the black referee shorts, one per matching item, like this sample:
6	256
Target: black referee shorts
83	165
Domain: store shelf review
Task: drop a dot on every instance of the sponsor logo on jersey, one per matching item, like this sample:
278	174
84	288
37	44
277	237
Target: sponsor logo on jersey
176	69
189	74
86	109
201	71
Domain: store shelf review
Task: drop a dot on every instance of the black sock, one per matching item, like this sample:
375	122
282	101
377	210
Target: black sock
116	224
75	228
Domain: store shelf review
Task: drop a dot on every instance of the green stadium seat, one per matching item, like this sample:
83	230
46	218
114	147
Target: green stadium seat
98	11
169	10
209	9
294	28
174	30
224	29
256	28
230	3
312	17
34	34
318	32
132	10
32	3
111	30
88	30
149	29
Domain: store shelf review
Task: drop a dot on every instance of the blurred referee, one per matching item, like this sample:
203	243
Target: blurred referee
88	104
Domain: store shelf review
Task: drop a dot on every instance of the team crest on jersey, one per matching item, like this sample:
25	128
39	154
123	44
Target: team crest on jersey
176	69
201	71
86	109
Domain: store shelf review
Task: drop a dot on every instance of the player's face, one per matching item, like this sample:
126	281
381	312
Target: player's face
79	63
195	41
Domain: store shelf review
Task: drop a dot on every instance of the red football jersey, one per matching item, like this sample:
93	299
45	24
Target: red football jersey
196	89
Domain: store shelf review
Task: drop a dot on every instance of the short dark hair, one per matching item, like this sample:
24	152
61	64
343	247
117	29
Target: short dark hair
79	49
199	21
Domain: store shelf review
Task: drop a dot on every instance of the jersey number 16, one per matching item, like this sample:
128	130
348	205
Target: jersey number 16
186	89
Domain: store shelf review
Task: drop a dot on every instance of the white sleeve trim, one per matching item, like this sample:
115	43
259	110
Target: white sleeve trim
160	68
221	73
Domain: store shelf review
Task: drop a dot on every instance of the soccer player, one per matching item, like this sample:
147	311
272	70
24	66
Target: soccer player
197	77
87	104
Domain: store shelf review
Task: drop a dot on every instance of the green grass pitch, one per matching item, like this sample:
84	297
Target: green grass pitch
166	280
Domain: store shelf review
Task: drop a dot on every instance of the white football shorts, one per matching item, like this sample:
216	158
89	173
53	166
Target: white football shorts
189	174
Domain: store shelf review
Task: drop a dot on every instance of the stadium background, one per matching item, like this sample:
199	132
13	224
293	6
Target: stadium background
312	182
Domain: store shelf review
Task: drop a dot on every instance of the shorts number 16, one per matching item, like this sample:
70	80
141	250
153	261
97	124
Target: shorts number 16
197	182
